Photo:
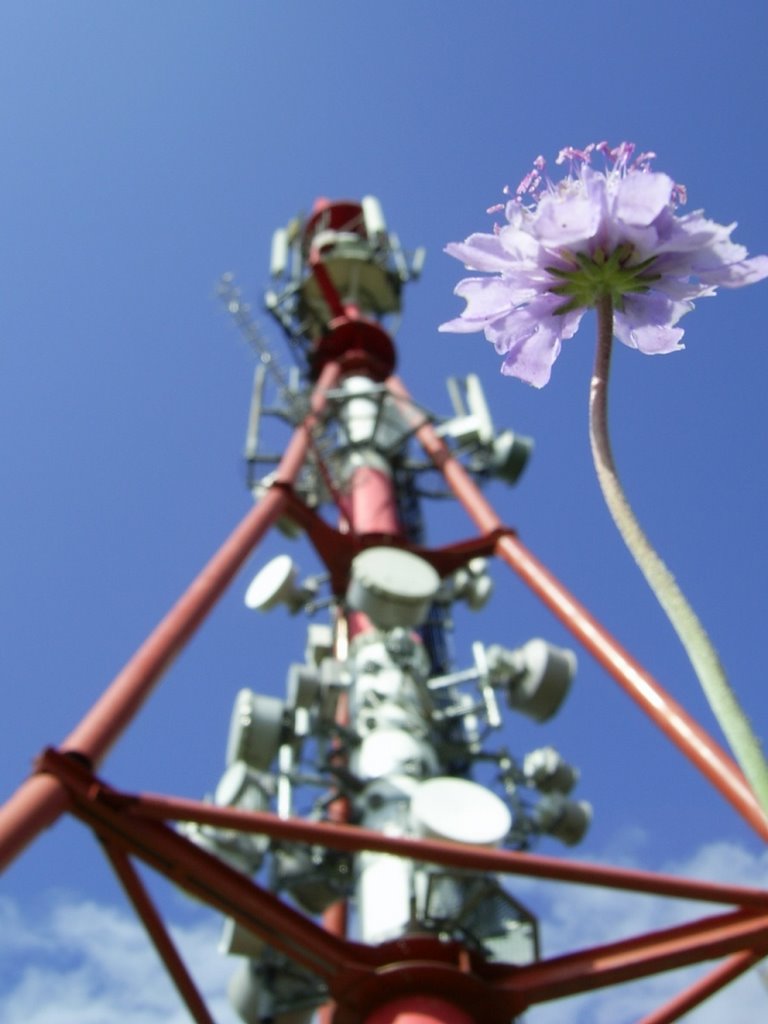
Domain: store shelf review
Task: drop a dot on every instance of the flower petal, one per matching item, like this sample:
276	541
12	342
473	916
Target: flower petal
530	337
647	323
653	339
683	289
519	245
521	321
736	275
532	359
480	252
460	326
565	220
689	233
486	297
641	197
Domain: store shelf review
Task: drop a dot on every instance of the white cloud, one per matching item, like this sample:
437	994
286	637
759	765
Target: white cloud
78	962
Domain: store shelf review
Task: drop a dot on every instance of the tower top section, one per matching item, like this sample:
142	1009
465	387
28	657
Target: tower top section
337	275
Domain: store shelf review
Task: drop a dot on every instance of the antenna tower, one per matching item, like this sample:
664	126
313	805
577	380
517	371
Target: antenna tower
390	897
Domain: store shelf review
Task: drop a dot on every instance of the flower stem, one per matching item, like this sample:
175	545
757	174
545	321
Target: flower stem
702	655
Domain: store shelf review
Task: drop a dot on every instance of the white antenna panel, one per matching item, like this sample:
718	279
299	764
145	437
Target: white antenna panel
392	587
461	811
274	584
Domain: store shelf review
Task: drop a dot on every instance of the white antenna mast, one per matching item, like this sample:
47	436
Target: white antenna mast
229	294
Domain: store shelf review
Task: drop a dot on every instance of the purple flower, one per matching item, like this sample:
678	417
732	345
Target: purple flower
595	233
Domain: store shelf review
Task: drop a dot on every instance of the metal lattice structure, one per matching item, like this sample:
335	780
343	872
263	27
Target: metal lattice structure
375	718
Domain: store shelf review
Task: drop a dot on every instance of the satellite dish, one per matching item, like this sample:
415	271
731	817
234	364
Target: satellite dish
386	750
255	730
392	587
543	685
566	820
509	456
276	584
459	810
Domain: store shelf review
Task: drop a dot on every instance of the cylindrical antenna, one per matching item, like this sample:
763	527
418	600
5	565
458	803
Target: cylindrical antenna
279	256
254	413
373	218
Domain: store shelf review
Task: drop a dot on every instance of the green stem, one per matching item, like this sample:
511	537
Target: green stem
703	657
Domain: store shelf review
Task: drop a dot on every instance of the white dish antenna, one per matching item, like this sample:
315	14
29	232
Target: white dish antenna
255	730
276	584
392	587
461	811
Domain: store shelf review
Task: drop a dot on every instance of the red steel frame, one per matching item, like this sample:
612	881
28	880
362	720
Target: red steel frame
418	979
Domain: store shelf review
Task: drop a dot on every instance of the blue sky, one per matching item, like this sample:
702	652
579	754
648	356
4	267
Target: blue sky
150	147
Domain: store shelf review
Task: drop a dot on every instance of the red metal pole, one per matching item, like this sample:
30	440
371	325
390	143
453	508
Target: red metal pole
325	284
158	933
371	502
372	509
205	876
671	718
418	1010
346	965
619	962
369	506
353	839
40	800
712	982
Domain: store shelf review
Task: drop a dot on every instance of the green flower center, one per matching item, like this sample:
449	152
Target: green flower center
593	277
